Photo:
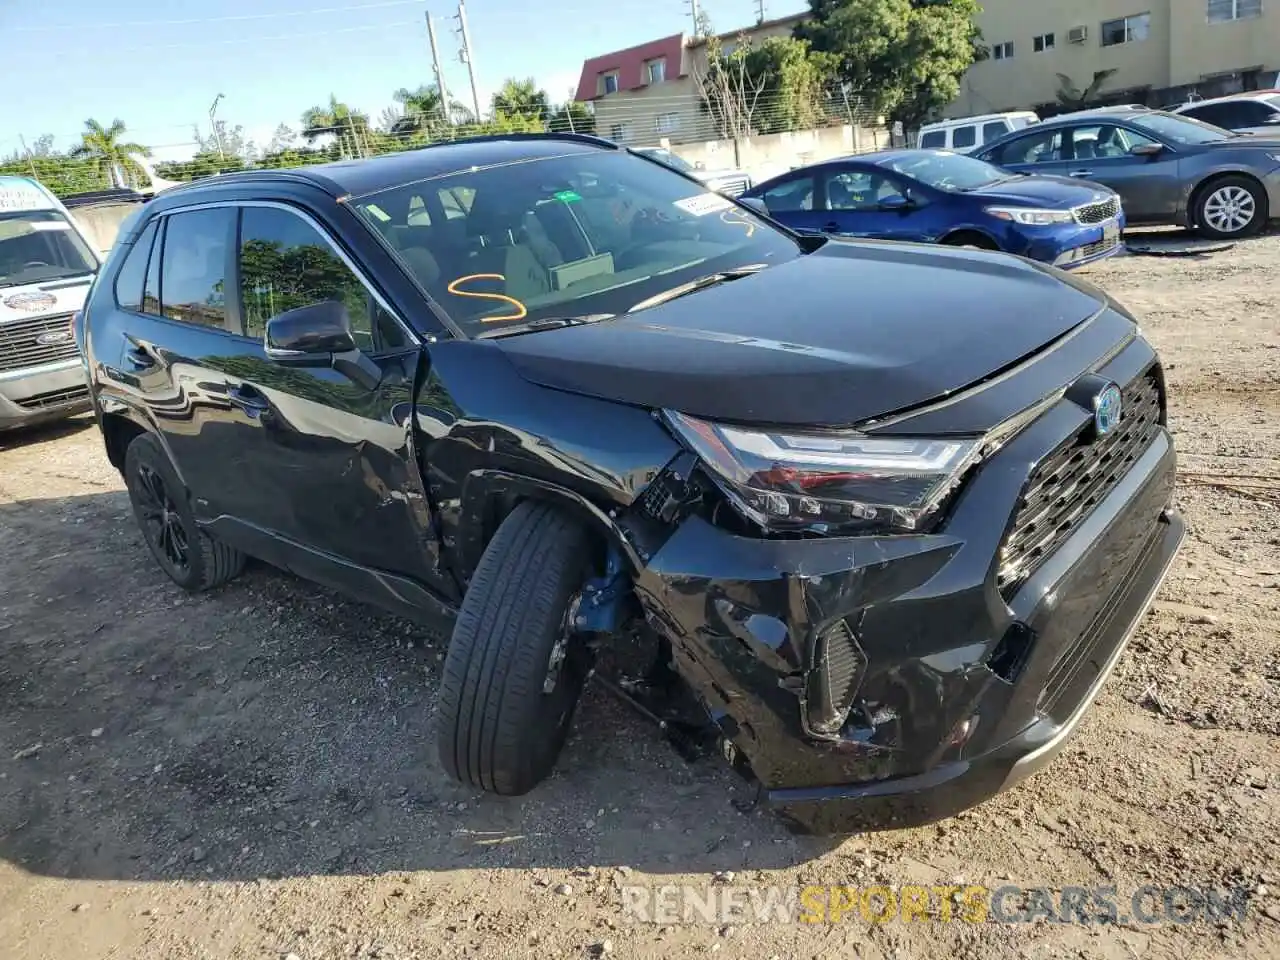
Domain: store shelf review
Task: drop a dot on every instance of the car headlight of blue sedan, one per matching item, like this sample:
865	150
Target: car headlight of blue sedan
1031	216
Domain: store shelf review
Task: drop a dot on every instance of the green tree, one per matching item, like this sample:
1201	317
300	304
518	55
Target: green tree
520	99
795	83
572	117
904	58
1073	98
349	128
110	155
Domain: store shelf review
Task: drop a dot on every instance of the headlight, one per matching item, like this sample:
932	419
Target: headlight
841	482
1031	216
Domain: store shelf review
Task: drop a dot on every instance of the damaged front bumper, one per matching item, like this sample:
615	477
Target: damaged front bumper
947	683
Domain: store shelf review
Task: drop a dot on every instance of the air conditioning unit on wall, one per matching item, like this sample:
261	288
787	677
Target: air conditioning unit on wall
1078	34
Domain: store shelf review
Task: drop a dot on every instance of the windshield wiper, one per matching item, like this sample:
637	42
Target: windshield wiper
698	283
544	323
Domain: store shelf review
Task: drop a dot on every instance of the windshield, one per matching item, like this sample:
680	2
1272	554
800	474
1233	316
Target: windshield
38	245
587	235
1179	129
669	158
952	172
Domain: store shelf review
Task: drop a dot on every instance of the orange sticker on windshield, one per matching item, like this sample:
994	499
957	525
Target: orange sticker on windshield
738	220
521	310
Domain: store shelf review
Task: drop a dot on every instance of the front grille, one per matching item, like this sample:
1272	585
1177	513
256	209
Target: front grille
55	398
19	346
1071	481
1098	212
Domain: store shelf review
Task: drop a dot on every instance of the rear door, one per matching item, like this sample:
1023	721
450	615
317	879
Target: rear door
795	200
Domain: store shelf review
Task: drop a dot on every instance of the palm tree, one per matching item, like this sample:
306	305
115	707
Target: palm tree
520	98
1074	99
423	111
109	156
349	127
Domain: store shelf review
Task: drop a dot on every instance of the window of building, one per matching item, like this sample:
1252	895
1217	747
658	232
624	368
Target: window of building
656	70
193	276
1222	11
1002	51
667	122
616	132
1046	41
1126	30
133	272
609	82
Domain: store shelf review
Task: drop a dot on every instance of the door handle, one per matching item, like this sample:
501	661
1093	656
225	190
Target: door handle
137	356
1080	173
248	398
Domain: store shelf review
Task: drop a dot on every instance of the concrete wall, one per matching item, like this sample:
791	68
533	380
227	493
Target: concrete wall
769	155
102	222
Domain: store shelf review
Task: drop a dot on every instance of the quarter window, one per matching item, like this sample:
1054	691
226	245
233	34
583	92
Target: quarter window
133	272
193	277
1126	29
285	263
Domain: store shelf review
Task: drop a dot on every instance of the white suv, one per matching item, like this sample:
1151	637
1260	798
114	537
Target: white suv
1257	113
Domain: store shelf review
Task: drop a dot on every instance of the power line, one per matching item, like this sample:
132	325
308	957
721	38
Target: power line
193	44
228	19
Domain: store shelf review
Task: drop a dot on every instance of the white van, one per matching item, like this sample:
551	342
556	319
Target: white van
46	267
969	133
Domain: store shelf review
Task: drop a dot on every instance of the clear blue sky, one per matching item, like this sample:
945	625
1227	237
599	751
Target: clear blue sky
158	65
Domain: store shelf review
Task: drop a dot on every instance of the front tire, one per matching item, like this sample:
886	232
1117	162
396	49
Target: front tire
192	559
1230	208
515	670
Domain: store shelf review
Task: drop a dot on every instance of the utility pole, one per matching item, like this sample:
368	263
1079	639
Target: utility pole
213	123
435	62
697	17
465	56
30	159
759	11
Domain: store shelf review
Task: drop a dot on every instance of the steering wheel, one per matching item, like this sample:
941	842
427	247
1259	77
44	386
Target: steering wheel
35	263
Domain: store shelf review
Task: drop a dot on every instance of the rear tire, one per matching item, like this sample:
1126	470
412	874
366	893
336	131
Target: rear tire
192	558
1230	208
515	671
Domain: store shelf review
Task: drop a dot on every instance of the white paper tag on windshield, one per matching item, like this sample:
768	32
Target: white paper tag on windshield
703	203
39	225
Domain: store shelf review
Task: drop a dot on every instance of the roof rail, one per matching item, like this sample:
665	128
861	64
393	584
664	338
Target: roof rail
588	138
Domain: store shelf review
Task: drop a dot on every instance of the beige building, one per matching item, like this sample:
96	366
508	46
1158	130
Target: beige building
649	93
1161	50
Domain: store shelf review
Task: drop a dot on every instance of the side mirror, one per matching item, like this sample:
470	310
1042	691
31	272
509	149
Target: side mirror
319	335
756	204
894	201
1146	149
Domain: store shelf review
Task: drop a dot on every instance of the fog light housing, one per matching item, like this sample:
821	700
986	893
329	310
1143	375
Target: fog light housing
831	687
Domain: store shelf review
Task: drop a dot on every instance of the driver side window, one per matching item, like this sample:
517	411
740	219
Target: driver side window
1104	141
790	197
859	191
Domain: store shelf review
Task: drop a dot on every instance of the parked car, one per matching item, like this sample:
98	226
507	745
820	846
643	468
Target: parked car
1257	113
46	267
727	180
934	196
1166	168
890	511
969	133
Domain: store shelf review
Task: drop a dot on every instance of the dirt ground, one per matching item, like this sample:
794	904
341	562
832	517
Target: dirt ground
251	773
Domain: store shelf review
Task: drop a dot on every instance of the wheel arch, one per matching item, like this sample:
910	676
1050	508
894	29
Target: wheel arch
488	496
957	235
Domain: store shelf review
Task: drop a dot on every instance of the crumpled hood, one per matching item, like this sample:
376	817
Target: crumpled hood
851	332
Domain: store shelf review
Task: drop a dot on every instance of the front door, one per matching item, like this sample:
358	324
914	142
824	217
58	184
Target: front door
327	452
795	201
1149	186
856	202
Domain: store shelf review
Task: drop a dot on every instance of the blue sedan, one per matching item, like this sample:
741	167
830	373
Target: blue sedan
934	196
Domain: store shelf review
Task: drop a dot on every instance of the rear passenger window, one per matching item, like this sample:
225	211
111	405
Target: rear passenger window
791	196
193	276
133	272
1041	147
151	292
962	137
934	139
285	263
994	130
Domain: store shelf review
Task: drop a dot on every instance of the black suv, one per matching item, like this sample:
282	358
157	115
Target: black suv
889	511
